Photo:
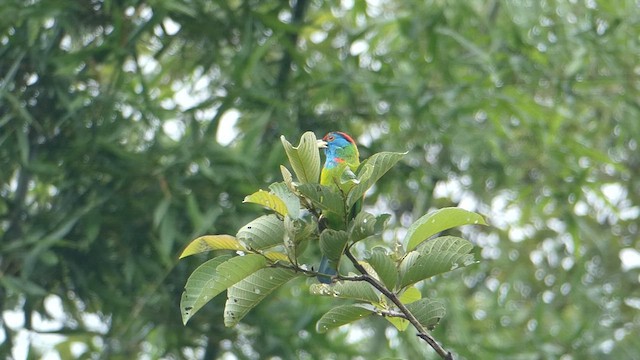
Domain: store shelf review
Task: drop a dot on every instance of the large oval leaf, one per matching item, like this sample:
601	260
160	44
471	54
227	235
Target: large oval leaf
214	277
262	233
438	221
211	242
200	280
304	158
445	254
246	294
332	244
342	315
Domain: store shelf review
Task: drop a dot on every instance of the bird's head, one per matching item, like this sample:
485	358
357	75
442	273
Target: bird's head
339	145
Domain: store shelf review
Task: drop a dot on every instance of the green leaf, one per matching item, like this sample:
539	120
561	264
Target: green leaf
385	267
305	158
262	233
332	244
366	225
212	242
370	171
192	296
291	201
437	221
297	236
214	277
268	200
246	294
342	315
428	312
443	254
354	290
325	198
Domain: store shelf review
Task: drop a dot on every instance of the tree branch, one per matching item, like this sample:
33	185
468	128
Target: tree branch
422	332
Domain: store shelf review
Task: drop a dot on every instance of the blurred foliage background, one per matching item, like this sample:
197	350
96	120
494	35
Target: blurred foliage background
129	127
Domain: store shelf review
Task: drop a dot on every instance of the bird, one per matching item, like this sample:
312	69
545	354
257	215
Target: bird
342	159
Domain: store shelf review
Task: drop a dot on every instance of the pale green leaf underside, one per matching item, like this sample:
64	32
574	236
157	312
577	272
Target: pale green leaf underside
196	292
354	290
341	315
446	254
437	221
370	171
262	233
211	242
246	294
428	312
304	158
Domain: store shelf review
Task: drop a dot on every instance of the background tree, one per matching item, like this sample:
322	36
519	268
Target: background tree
113	156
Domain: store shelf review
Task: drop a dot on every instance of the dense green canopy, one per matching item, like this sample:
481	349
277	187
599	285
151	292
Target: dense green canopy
130	127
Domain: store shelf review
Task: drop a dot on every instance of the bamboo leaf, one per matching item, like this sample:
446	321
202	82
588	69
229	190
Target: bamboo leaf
342	315
262	233
437	221
246	294
212	242
304	158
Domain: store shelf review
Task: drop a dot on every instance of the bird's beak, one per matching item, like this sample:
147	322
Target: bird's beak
321	144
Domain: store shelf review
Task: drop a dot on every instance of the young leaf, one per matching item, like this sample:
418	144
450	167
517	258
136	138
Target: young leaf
246	294
268	200
446	254
262	233
385	268
332	244
370	171
212	242
214	277
305	158
437	221
193	297
354	290
342	315
428	312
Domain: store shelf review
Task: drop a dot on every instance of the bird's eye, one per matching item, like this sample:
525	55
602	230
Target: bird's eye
330	138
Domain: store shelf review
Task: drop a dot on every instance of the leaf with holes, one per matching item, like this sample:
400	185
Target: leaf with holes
212	242
304	158
262	233
437	221
246	294
342	315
